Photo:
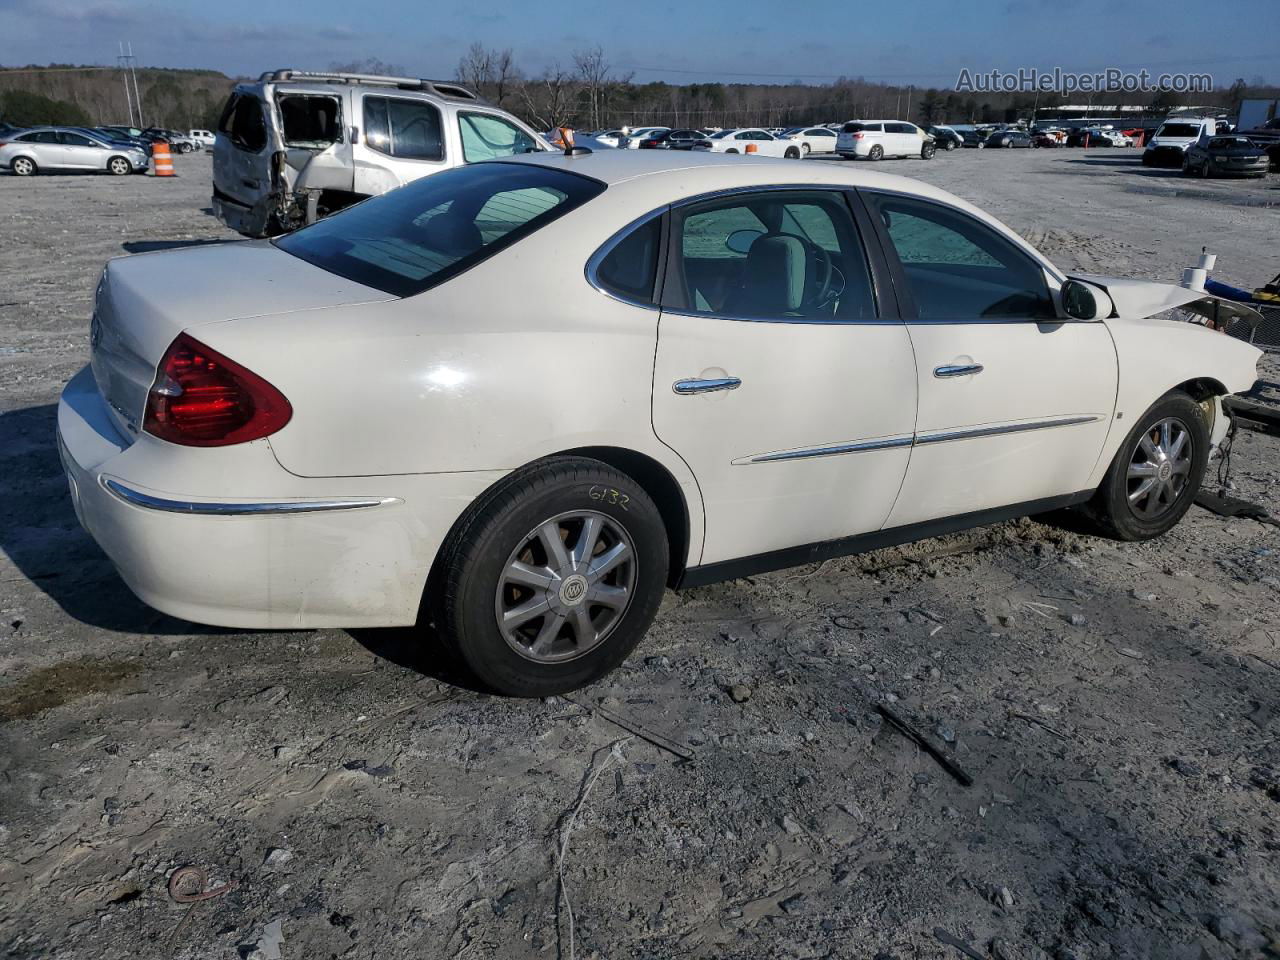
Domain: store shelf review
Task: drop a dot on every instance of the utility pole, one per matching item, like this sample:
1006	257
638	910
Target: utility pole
137	96
123	62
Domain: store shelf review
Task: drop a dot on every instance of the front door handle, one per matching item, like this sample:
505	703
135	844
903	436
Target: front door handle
957	369
690	387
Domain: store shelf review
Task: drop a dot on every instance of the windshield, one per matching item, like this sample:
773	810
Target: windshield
411	239
1230	143
1179	130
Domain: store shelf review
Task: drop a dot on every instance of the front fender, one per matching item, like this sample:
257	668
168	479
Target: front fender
1156	356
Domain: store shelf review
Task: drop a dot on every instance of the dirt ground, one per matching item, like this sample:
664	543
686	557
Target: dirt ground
1116	705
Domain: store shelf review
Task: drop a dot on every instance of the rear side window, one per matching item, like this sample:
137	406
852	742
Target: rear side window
630	268
243	124
409	129
411	239
486	137
310	121
959	269
773	255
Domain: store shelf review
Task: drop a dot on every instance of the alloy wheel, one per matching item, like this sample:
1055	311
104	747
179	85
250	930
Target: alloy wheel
23	167
1158	468
566	586
119	167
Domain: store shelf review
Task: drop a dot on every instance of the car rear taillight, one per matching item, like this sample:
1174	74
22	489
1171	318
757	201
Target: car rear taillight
858	136
202	399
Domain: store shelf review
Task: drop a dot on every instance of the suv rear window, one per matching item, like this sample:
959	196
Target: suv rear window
414	238
853	127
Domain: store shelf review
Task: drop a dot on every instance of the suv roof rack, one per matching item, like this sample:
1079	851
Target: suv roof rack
441	88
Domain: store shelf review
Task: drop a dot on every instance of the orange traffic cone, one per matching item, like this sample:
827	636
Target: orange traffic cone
162	159
752	148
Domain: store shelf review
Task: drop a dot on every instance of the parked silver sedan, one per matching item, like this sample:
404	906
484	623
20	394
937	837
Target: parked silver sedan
61	148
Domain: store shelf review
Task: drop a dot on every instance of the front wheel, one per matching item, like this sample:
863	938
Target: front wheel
951	145
552	578
876	152
805	148
927	151
1156	474
981	145
793	153
119	166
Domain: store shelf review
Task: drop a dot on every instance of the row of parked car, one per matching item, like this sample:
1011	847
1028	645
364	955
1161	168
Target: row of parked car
118	150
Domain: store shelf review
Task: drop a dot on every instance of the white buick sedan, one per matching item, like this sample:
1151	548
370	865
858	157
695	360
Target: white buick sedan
515	401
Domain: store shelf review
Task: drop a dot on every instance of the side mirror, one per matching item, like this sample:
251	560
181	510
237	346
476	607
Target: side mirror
1084	301
740	241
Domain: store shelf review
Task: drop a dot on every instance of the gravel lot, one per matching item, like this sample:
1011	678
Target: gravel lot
1115	704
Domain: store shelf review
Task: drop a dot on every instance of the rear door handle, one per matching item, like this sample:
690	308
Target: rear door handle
957	369
690	387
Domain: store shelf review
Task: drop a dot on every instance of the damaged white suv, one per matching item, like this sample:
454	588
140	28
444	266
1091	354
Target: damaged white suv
294	147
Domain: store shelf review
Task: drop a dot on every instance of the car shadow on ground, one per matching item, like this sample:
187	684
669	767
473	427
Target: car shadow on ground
1134	165
419	649
152	246
40	534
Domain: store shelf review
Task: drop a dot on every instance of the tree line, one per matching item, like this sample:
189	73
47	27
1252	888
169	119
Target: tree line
586	91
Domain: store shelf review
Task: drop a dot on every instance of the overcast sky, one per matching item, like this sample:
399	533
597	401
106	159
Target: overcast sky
925	42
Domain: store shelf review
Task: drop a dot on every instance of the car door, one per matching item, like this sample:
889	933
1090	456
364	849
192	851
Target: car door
81	153
1014	401
821	140
404	139
48	149
782	376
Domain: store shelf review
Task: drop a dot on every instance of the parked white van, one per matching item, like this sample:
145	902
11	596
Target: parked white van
294	146
876	139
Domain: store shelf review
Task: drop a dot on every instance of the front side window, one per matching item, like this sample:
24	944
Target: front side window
775	255
630	268
958	268
414	238
486	137
409	129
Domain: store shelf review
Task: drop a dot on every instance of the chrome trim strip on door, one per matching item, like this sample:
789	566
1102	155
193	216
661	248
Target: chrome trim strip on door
219	509
890	443
831	451
970	433
687	388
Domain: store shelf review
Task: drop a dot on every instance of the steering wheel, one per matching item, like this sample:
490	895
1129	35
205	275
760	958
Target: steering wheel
826	273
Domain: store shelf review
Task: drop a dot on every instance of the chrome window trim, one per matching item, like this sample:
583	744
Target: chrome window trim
919	440
606	248
148	501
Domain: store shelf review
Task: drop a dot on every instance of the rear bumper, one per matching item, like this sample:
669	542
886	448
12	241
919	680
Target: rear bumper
297	553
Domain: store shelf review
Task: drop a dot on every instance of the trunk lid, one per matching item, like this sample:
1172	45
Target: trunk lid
143	302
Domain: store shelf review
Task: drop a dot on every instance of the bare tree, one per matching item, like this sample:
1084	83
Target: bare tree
475	69
593	71
548	101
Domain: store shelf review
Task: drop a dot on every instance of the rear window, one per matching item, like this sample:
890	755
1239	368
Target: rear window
1179	130
242	123
853	128
414	238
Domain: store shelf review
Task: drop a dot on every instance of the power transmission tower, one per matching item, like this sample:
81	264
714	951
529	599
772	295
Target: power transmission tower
126	59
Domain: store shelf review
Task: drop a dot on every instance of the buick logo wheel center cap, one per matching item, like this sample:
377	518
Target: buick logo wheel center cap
1165	472
573	590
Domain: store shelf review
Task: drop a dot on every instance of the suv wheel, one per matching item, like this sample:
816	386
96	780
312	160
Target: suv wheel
1156	474
928	150
875	153
25	167
552	578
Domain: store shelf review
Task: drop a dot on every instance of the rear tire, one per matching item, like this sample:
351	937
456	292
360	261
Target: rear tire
805	148
517	550
1157	471
24	167
927	151
950	145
